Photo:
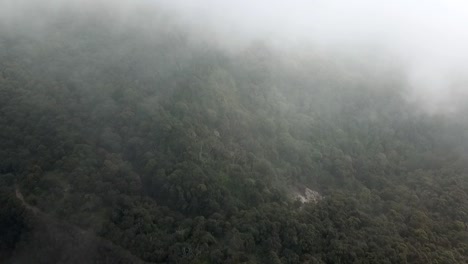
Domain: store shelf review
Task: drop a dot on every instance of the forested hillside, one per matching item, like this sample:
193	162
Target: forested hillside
169	147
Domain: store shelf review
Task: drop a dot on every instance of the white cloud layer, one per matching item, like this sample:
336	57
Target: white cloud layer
429	37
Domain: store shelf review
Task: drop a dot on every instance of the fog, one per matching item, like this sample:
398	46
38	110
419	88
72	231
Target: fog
203	131
427	40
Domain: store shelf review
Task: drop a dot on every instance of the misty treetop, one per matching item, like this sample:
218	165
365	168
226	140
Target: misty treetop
148	143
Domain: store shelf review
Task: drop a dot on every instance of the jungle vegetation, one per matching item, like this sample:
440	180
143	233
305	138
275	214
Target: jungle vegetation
166	148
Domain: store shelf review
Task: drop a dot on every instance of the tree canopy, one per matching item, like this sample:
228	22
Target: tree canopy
181	152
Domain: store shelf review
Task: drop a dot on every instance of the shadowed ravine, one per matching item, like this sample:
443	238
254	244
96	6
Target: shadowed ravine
67	243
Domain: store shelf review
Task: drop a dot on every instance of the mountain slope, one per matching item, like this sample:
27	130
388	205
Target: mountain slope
181	152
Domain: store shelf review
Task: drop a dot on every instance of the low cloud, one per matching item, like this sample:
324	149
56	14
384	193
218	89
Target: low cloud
428	38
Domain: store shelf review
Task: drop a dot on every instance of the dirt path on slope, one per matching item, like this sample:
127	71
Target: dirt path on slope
91	241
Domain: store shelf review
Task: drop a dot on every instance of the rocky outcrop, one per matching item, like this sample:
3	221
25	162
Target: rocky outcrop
308	196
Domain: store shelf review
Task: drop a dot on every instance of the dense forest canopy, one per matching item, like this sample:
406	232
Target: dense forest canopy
131	139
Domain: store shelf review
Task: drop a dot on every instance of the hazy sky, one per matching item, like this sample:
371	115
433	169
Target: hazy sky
430	37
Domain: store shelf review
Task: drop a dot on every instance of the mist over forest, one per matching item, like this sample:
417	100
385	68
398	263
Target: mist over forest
233	131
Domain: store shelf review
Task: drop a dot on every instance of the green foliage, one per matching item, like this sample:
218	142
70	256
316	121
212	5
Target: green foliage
185	154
